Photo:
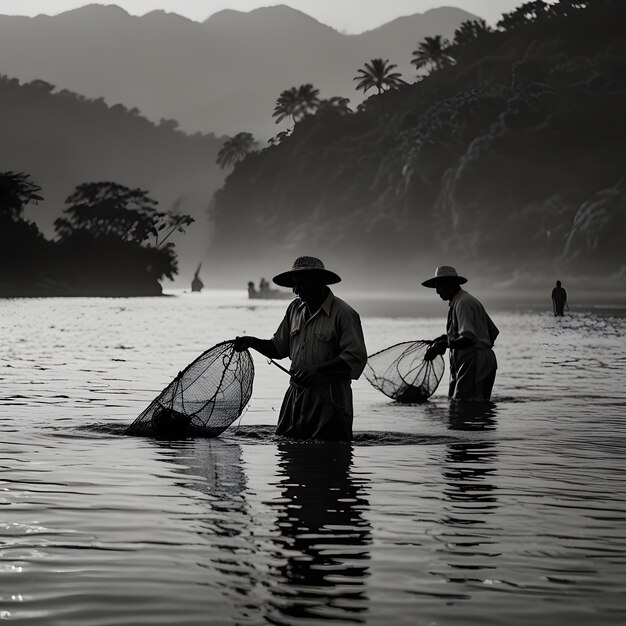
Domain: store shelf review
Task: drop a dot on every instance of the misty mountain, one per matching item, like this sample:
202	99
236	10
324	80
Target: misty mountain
508	162
62	140
222	76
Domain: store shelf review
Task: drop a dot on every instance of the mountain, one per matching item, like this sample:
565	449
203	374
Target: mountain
220	76
62	140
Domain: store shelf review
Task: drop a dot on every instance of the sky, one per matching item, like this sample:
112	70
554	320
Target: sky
350	16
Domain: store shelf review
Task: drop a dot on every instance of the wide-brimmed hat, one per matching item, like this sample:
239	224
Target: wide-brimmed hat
444	272
309	267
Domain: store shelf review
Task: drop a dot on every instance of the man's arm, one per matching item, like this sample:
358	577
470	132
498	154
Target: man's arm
441	344
265	346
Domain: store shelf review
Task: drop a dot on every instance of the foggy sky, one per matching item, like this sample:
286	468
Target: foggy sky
351	16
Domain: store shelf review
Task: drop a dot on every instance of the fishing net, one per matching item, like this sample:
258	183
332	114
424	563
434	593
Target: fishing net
401	372
204	399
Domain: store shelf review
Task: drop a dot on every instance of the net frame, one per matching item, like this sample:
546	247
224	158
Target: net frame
397	377
194	404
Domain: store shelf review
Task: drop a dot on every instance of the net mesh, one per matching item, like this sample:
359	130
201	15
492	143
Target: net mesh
401	372
204	399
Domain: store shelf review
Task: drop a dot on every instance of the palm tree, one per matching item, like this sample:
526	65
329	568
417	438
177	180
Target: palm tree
296	103
235	149
432	53
378	73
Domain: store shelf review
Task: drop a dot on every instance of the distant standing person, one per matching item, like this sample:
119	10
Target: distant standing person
559	299
470	335
322	336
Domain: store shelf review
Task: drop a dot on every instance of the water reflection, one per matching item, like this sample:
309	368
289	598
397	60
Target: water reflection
472	415
323	558
214	468
469	470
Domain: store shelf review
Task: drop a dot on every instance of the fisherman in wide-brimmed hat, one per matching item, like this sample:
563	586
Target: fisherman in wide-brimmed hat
470	335
323	337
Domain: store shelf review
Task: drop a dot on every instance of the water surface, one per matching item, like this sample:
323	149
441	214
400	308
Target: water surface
511	513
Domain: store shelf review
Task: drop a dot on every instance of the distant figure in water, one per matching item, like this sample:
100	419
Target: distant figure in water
196	283
470	335
559	300
264	286
322	336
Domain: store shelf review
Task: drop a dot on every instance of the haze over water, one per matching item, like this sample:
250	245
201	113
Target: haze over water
513	514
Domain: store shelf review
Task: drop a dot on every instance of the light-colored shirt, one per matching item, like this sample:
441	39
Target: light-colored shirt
467	318
334	330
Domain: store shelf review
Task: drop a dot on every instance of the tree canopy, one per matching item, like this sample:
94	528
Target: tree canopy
236	149
16	191
378	73
296	102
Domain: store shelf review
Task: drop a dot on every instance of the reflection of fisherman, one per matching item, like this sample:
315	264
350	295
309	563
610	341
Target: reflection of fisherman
323	337
321	519
470	334
559	299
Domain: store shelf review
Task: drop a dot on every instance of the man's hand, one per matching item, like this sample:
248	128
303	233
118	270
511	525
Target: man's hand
305	375
243	343
438	347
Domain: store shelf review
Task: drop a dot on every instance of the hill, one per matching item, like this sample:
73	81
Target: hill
508	161
62	140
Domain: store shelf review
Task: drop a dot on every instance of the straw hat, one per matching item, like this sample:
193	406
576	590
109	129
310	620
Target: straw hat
306	267
444	272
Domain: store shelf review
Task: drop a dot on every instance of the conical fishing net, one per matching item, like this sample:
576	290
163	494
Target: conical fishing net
401	372
204	399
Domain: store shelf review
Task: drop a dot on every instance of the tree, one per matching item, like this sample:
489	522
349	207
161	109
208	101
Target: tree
378	73
296	103
104	240
524	14
336	105
109	210
235	149
469	31
16	191
432	53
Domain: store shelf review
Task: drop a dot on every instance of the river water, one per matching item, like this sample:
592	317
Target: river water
511	513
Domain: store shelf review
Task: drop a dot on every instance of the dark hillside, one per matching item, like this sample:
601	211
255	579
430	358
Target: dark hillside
510	162
63	140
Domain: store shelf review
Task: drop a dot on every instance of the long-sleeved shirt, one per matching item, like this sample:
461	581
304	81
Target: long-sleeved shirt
334	330
467	318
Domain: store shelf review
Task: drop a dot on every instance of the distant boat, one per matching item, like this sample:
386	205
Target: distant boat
196	283
266	293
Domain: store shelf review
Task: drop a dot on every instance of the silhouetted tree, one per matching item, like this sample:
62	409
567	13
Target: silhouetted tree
432	53
235	149
378	73
336	104
469	31
110	210
16	191
296	103
524	14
